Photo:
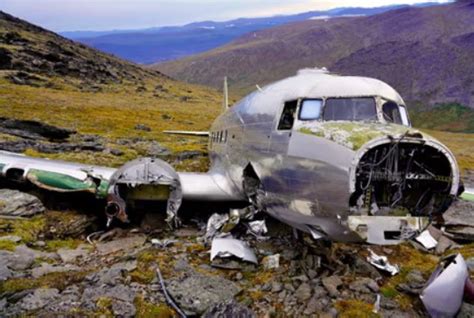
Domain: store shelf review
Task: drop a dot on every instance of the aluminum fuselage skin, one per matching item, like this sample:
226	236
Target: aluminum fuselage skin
312	174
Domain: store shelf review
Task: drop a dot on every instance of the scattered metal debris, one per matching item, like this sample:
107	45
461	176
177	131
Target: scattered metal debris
271	261
214	223
92	235
443	294
226	247
257	228
169	300
163	243
377	305
426	240
382	263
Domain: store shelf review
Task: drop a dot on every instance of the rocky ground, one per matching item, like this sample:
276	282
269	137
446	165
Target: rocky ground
56	263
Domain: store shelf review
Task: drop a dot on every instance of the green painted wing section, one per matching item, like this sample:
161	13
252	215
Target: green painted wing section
60	182
467	196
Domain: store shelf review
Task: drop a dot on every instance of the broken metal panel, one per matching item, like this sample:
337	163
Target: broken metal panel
382	263
444	291
426	240
226	247
386	230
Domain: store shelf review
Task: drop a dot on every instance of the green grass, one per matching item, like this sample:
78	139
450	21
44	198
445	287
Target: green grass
113	113
446	117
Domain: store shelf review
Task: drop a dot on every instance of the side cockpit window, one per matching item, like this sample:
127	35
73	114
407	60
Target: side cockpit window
310	109
288	115
391	113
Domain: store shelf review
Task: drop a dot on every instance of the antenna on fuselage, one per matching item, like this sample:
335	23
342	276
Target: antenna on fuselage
225	103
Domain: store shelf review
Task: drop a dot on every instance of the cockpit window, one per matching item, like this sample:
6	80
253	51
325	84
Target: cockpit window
353	109
288	115
391	113
310	109
404	116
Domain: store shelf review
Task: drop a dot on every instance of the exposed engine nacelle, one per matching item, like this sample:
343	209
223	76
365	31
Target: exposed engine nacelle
147	179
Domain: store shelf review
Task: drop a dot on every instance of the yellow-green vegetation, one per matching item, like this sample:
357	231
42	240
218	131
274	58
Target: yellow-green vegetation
59	280
148	310
114	112
353	134
466	251
70	243
26	229
355	309
7	245
461	144
408	258
104	307
146	265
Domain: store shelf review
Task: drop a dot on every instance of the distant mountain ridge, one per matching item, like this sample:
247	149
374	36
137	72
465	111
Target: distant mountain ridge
426	53
167	43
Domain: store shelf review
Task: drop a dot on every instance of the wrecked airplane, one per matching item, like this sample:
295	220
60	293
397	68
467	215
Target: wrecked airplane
333	156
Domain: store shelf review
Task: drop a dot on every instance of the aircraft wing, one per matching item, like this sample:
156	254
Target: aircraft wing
187	133
140	179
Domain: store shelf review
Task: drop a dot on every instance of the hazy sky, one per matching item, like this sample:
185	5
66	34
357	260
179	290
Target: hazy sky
62	15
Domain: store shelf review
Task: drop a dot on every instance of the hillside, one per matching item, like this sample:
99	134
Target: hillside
426	53
172	42
117	109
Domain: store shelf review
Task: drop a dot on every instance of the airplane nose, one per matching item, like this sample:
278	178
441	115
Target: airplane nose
407	175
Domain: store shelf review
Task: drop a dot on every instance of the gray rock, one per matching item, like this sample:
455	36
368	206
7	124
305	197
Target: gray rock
5	272
119	292
316	305
467	311
46	268
332	284
364	285
67	301
276	287
196	292
363	268
121	244
123	309
127	266
20	259
72	255
38	299
3	304
229	309
108	276
16	203
303	292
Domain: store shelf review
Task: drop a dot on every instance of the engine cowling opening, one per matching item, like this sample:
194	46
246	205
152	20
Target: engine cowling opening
402	178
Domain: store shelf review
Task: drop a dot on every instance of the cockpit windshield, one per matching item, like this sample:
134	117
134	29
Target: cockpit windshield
352	109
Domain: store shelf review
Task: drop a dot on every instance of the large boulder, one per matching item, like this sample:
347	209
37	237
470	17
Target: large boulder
16	203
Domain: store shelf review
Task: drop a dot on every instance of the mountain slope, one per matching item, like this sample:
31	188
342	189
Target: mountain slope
425	53
119	107
168	43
